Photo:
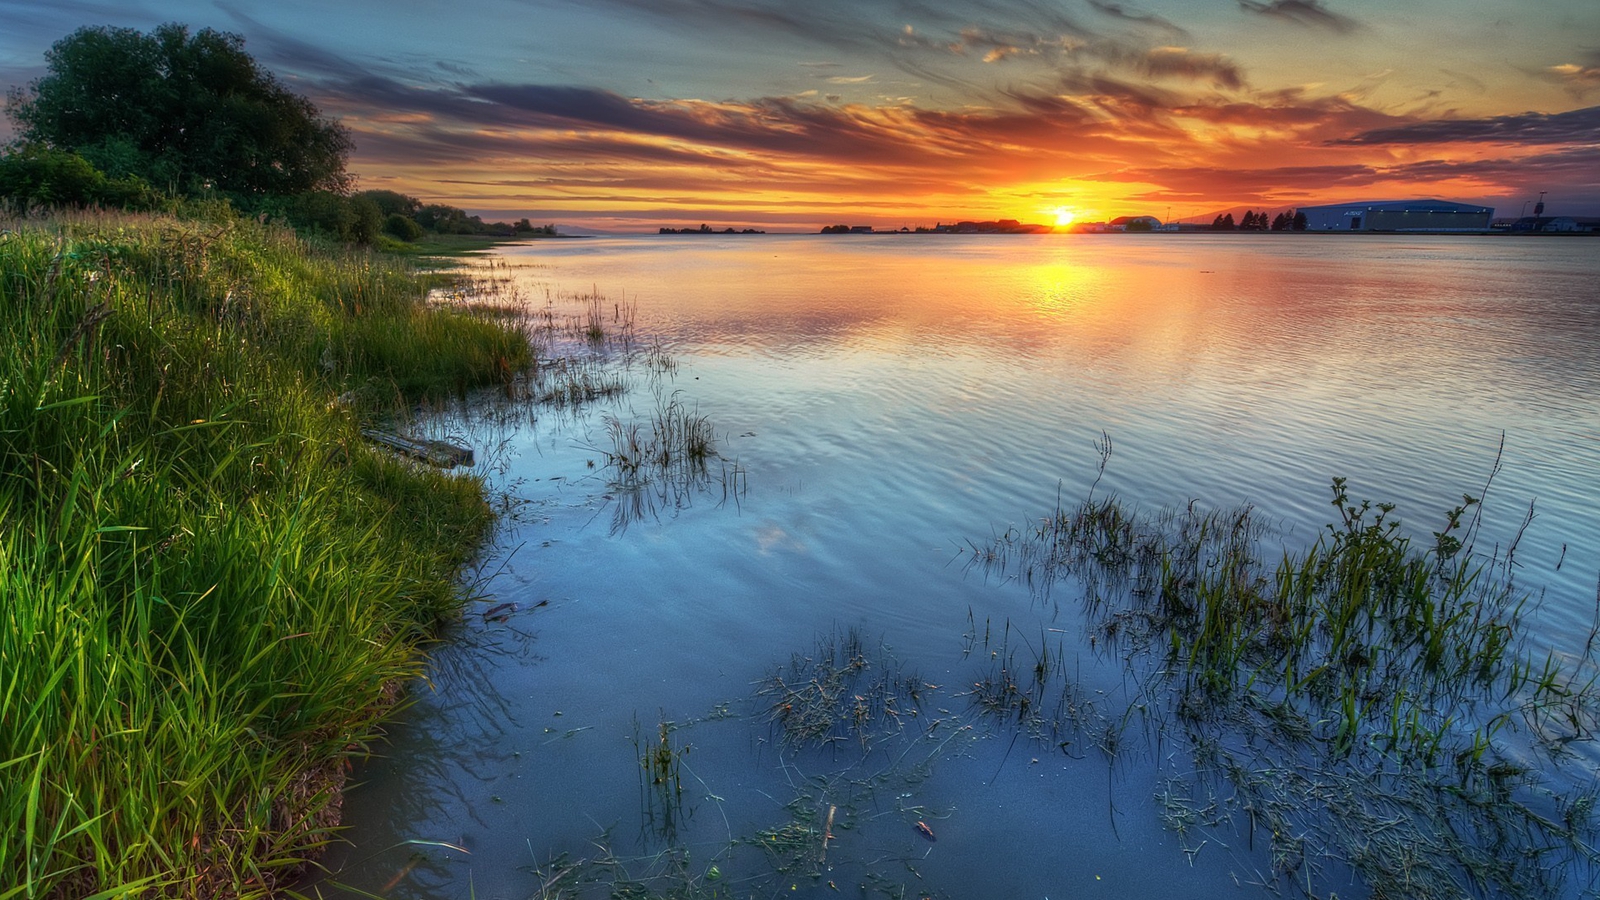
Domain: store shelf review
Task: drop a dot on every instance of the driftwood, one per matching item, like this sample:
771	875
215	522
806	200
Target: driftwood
434	453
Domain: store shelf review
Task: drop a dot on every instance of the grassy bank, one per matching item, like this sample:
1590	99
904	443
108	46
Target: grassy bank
207	580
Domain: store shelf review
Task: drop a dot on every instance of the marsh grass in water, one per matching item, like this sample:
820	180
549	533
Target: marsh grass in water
853	763
1365	706
838	693
208	581
664	464
661	780
675	441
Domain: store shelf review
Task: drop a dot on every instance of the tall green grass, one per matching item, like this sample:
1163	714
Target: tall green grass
206	592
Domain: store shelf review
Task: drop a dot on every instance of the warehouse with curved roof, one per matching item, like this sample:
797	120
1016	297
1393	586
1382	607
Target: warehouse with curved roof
1398	215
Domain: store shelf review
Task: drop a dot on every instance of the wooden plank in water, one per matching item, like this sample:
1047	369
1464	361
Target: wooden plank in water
434	453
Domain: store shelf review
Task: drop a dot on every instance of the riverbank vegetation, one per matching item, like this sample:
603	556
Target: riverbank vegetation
209	583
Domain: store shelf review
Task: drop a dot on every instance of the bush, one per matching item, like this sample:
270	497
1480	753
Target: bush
39	176
402	227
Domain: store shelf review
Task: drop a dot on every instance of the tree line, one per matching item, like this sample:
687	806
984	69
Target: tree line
1290	220
136	120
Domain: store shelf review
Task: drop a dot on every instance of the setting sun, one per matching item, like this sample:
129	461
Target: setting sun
1064	216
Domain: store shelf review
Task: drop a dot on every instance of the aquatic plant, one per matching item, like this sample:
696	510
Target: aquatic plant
836	693
661	779
1356	702
854	748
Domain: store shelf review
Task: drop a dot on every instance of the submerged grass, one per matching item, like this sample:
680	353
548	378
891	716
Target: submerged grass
208	582
854	746
1366	705
837	693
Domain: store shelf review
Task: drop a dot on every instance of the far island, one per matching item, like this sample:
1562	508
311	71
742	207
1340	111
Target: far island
707	229
1004	226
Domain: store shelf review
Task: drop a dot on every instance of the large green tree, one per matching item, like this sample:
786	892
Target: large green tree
184	111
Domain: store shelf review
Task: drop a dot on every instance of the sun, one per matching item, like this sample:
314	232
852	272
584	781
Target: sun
1064	216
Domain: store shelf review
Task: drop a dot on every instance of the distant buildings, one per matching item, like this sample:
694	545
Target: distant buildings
1555	225
1398	215
1134	223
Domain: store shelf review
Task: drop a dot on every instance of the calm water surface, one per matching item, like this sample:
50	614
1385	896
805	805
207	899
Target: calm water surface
887	400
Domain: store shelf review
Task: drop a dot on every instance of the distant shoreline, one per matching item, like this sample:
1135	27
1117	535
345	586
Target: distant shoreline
1188	232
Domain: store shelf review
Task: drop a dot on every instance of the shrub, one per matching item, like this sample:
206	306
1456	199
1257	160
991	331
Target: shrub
403	227
39	176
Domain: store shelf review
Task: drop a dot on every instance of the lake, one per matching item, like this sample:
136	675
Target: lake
883	408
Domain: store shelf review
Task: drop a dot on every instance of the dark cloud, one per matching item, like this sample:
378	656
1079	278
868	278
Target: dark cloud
1128	100
1578	126
780	125
430	144
1166	62
1576	167
911	35
1208	180
1311	13
456	69
1291	111
1118	11
1577	170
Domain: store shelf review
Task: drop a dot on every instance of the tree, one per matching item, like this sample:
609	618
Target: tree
393	203
184	112
349	219
1299	221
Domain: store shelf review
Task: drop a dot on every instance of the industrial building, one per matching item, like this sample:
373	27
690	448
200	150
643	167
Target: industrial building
1555	225
1398	215
1135	223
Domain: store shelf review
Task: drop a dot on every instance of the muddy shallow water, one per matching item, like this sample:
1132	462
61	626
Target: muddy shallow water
881	407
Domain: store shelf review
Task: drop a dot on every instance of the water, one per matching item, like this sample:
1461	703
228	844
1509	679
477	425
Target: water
888	400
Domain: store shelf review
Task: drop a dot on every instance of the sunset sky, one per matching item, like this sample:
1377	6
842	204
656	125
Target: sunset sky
629	114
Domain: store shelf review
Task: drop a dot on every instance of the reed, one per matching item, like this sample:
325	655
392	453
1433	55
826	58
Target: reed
676	443
207	588
1354	699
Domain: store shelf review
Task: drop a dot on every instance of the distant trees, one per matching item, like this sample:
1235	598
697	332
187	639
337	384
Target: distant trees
408	218
394	203
185	112
353	220
1257	221
1254	221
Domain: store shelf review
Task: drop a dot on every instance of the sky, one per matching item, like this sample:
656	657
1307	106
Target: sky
791	114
